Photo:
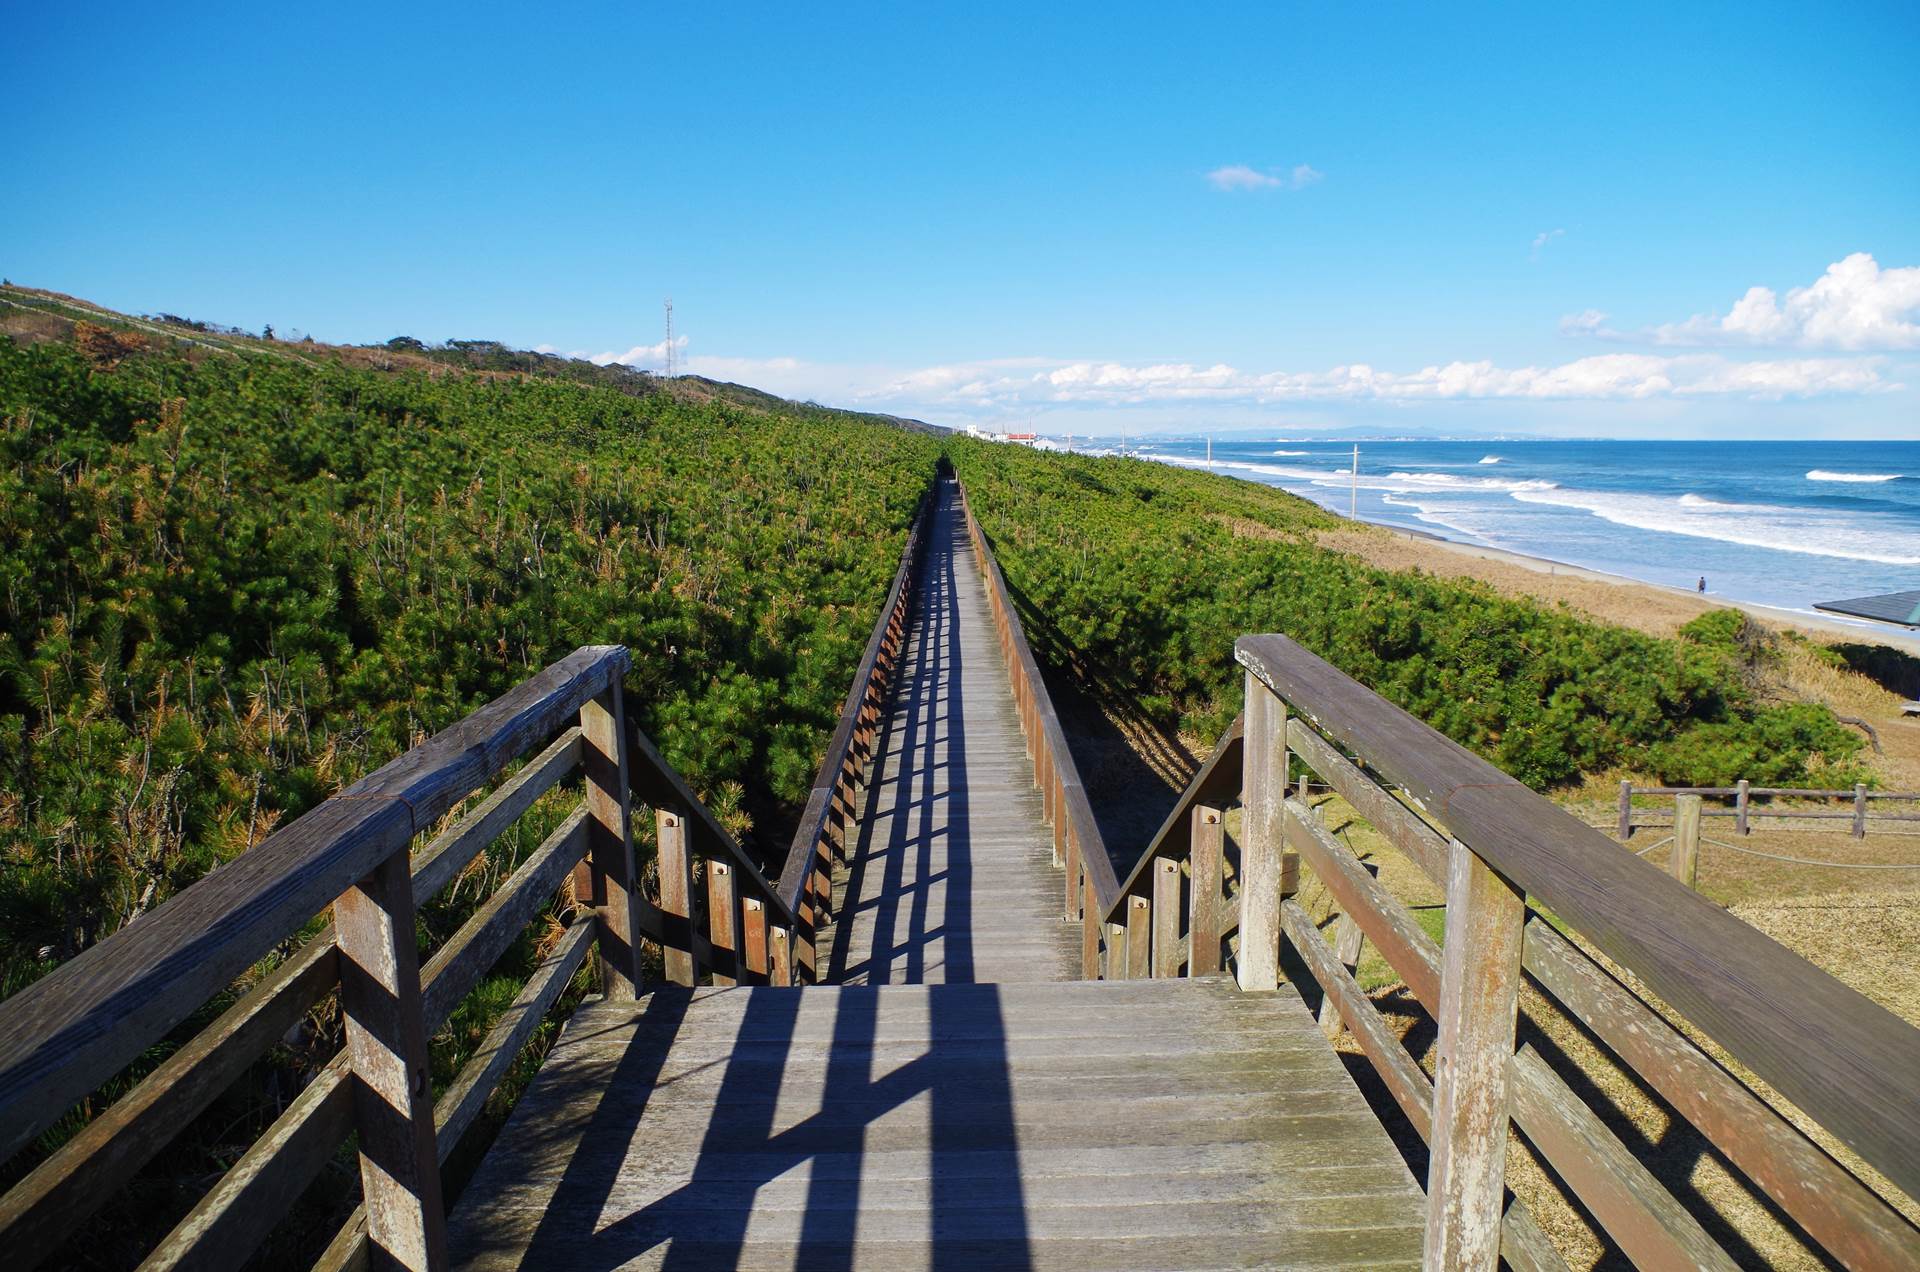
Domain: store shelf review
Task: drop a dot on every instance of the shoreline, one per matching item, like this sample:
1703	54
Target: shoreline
1811	624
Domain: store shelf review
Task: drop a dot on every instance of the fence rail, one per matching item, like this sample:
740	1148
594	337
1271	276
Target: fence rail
1195	901
1744	793
806	876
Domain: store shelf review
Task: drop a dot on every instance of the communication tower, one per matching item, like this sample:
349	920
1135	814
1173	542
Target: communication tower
669	337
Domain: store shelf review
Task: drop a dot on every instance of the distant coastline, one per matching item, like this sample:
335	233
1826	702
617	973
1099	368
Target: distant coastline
1813	624
1774	527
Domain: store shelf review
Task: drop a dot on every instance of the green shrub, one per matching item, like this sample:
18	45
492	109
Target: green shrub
1142	575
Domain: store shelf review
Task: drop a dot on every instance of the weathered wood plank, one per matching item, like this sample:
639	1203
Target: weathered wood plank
1139	938
616	879
381	1003
442	860
459	965
675	868
1347	942
43	1209
1378	913
722	923
1423	845
1205	867
1216	784
1263	811
1479	1002
227	1225
1652	1228
1522	1244
1168	952
753	939
1686	839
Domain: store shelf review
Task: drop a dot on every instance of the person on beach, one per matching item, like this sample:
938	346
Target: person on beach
1703	584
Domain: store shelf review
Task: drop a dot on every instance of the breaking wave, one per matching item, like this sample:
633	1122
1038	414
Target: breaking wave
1805	531
1821	474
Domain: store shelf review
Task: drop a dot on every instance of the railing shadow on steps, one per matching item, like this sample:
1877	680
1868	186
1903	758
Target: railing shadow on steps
65	1035
1516	872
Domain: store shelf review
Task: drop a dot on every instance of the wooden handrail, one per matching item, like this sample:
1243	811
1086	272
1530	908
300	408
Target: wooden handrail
658	784
68	1032
1054	768
1833	1052
1217	782
800	886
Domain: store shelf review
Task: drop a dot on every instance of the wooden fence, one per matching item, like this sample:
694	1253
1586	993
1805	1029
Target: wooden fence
1743	812
1194	901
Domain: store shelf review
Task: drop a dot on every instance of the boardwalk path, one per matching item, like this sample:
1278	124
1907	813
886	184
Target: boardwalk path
952	875
957	1101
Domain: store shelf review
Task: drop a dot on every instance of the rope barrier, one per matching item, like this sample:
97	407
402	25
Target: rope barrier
1806	861
1655	844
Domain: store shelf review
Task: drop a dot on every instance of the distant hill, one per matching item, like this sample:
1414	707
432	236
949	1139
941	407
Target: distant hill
31	314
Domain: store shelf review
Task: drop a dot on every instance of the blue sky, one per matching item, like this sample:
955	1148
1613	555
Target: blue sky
1089	218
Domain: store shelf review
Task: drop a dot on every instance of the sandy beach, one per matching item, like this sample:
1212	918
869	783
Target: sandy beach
1613	598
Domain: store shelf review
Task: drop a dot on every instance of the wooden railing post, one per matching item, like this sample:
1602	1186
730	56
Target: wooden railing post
676	895
1686	839
1264	805
1626	810
1205	867
1860	810
1166	917
1740	803
722	905
1139	937
1479	997
392	1083
780	955
603	763
753	940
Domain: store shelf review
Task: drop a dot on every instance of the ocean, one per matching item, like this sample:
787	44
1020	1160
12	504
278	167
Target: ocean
1785	524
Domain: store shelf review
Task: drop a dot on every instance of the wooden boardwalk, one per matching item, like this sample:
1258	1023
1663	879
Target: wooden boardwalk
951	876
957	1100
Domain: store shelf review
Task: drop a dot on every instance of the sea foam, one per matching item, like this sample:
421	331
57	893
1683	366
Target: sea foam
1752	525
1821	474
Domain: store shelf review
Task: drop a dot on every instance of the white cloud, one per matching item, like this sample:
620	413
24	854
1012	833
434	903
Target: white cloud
652	357
1588	322
1543	238
1028	383
1855	306
1238	176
